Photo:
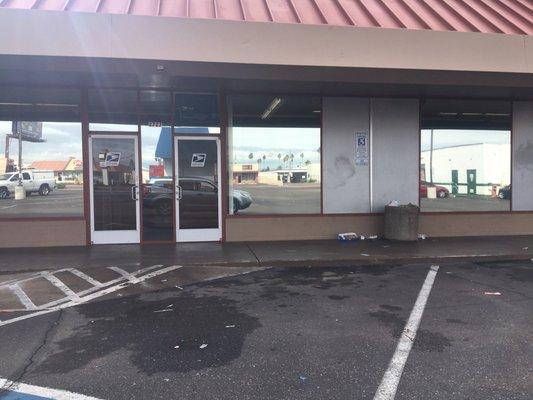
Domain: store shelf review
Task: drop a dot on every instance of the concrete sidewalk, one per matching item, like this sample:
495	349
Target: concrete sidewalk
300	253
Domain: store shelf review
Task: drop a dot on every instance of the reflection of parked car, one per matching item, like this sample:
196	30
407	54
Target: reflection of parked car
442	192
505	192
197	193
42	182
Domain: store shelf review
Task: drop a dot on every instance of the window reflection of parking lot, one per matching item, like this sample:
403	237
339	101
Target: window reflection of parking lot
300	198
465	203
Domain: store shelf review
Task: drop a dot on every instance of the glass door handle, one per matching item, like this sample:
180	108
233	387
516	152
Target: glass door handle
179	192
134	193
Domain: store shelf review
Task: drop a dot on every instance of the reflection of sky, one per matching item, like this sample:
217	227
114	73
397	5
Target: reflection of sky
63	140
149	138
456	137
270	142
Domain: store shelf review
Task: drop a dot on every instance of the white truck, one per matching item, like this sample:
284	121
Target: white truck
34	181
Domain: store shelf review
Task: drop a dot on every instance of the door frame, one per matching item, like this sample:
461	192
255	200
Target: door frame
122	236
201	234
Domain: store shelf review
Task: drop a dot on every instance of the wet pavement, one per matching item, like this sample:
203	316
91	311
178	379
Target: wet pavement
267	254
286	333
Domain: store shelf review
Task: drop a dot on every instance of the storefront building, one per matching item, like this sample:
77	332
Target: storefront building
250	120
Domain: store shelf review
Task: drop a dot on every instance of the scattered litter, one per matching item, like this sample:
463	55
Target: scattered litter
303	378
166	379
203	346
373	237
176	347
493	293
525	248
230	326
422	236
385	246
170	306
163	280
179	287
348	236
119	295
362	237
448	272
164	310
365	255
394	203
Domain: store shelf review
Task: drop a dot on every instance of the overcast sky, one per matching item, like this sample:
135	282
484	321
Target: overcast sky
448	137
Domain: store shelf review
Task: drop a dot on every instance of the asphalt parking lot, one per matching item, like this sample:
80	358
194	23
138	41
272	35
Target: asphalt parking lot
60	202
280	333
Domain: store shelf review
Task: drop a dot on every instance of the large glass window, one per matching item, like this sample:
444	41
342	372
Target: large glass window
41	135
274	154
465	160
157	165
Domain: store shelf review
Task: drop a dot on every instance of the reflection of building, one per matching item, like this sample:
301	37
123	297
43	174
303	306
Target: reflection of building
245	173
70	170
281	176
471	168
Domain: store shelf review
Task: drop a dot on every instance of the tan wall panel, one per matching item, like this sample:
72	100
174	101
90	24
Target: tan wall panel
143	37
299	228
42	233
477	224
327	226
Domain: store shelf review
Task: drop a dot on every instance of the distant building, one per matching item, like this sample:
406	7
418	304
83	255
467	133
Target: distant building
245	173
475	166
70	170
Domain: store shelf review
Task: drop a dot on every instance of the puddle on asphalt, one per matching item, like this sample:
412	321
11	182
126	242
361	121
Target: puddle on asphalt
151	337
426	341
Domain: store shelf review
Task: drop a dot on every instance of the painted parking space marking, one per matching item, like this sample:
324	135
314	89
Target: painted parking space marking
85	277
23	391
391	379
125	274
91	294
22	296
60	285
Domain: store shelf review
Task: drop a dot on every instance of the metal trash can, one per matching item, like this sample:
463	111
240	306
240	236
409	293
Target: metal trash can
401	222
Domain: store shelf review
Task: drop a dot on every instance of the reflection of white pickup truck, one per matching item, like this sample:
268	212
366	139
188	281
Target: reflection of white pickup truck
42	182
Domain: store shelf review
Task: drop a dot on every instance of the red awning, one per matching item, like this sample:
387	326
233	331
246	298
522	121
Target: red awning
488	16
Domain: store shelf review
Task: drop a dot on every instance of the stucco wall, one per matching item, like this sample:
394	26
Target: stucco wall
125	36
522	189
346	187
42	233
394	141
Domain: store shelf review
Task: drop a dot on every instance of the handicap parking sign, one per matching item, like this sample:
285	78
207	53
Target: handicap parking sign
198	160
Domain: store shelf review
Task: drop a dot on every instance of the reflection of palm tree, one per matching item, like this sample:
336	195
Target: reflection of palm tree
251	156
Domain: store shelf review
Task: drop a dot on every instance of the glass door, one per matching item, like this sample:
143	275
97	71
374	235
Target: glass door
114	188
198	194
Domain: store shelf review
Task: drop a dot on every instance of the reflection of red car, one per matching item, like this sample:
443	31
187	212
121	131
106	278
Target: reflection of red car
442	192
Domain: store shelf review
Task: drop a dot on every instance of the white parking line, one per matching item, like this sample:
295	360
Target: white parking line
125	274
85	277
391	378
94	295
23	297
41	392
60	285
